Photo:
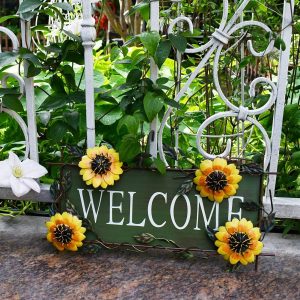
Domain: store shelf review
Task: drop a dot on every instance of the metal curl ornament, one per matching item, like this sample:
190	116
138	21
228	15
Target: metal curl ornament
221	37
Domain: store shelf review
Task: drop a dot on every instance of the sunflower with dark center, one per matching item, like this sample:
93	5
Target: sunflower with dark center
238	241
100	167
217	180
65	231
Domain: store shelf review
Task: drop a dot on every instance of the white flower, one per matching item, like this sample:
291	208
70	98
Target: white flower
74	26
19	175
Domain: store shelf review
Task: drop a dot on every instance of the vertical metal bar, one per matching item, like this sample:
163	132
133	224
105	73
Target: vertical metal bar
281	87
88	35
178	84
242	91
154	23
29	92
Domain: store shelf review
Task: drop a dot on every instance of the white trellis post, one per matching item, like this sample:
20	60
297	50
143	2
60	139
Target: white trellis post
154	23
29	92
88	35
281	90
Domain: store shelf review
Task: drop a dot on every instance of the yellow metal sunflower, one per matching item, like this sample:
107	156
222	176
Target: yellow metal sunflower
100	167
217	180
65	231
239	241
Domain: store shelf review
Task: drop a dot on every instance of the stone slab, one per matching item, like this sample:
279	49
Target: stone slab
30	268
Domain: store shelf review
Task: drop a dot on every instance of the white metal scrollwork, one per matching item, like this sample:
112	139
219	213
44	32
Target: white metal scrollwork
4	80
220	38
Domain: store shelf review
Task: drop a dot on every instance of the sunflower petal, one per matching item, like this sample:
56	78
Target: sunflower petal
234	258
206	167
109	178
232	179
204	191
72	246
219	163
85	162
198	173
231	170
92	152
224	249
88	174
58	246
97	181
229	190
222	236
116	168
249	256
219	196
78	236
244	225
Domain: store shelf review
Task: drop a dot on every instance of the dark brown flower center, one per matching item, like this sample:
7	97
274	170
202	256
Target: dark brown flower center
63	233
239	242
101	164
216	181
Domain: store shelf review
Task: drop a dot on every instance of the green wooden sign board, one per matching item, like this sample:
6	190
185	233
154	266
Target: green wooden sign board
144	201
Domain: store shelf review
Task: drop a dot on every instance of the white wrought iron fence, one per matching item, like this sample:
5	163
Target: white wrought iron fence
213	49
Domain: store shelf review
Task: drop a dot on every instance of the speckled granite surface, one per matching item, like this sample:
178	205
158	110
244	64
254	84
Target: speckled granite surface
30	268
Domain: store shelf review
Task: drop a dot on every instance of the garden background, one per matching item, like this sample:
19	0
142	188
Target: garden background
127	101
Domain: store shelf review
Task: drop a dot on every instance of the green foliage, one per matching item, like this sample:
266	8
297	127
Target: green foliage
127	101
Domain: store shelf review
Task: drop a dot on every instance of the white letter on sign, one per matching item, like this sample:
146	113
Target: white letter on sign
188	214
142	224
206	222
91	204
150	209
230	204
111	207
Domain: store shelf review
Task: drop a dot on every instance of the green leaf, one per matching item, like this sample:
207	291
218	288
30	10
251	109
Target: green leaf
72	118
32	70
5	18
136	8
130	123
69	75
153	103
11	91
279	44
77	97
28	15
108	113
145	12
57	130
296	28
57	84
134	76
178	41
13	102
64	6
129	148
150	41
162	80
162	52
296	157
30	57
29	5
57	13
7	58
114	53
172	103
54	101
160	165
246	60
72	51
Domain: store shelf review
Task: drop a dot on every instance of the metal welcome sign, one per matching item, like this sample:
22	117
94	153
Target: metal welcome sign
144	204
